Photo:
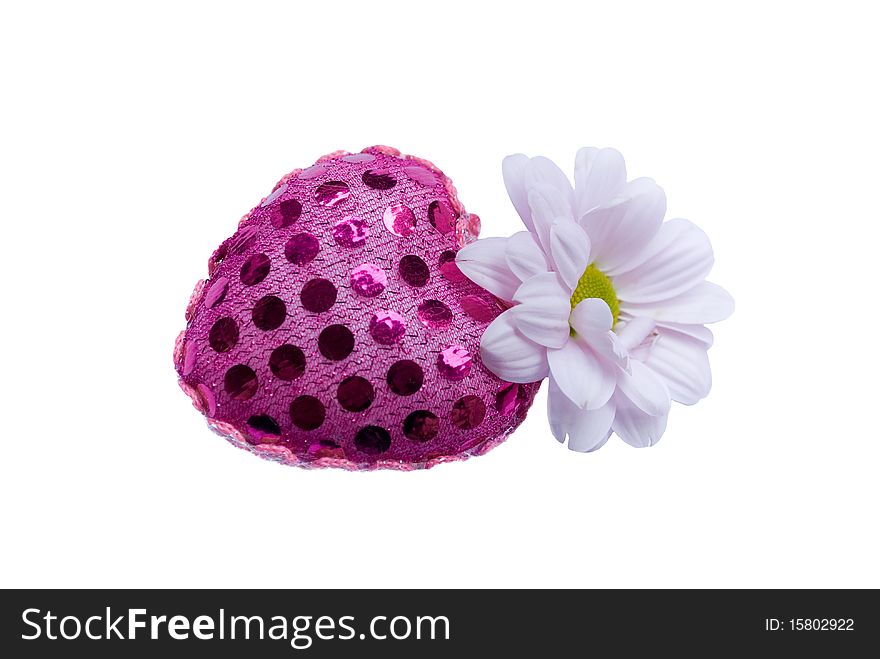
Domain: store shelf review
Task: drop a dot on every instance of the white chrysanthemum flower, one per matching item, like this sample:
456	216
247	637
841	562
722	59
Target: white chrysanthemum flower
608	300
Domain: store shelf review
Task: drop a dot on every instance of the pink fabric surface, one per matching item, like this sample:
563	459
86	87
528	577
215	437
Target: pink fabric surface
334	329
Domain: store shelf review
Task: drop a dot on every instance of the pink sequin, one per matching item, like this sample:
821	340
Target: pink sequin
421	426
326	448
207	399
372	440
332	193
243	240
313	172
277	192
468	412
454	363
263	429
318	295
479	308
441	216
467	229
190	352
223	335
284	214
287	362
217	292
405	377
255	269
336	342
301	248
307	412
379	179
359	157
421	175
387	327
449	268
240	382
355	394
351	231
269	313
434	314
368	280
413	270
505	399
399	220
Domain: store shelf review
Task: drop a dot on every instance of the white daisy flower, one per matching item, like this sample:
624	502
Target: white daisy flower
607	299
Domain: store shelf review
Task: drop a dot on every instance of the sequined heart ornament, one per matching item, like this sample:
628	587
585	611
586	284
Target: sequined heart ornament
335	329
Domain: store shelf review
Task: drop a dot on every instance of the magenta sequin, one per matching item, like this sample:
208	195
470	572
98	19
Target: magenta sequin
351	231
255	269
434	314
287	362
399	220
480	307
263	429
286	213
454	363
387	327
368	280
217	293
413	270
441	216
307	412
269	313
335	329
449	268
379	179
223	335
331	193
336	342
421	426
318	295
301	248
313	172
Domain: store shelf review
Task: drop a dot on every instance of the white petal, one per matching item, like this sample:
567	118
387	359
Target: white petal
634	331
610	348
543	172
620	229
484	263
644	389
587	430
560	411
543	216
570	250
699	332
524	256
542	288
546	208
677	259
511	356
543	326
599	174
704	303
591	316
591	428
592	321
580	375
635	427
682	363
513	169
542	312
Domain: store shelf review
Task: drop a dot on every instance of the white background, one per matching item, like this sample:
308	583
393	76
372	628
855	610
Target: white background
133	139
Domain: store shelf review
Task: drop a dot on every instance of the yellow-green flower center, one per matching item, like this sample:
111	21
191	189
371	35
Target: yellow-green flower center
595	283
